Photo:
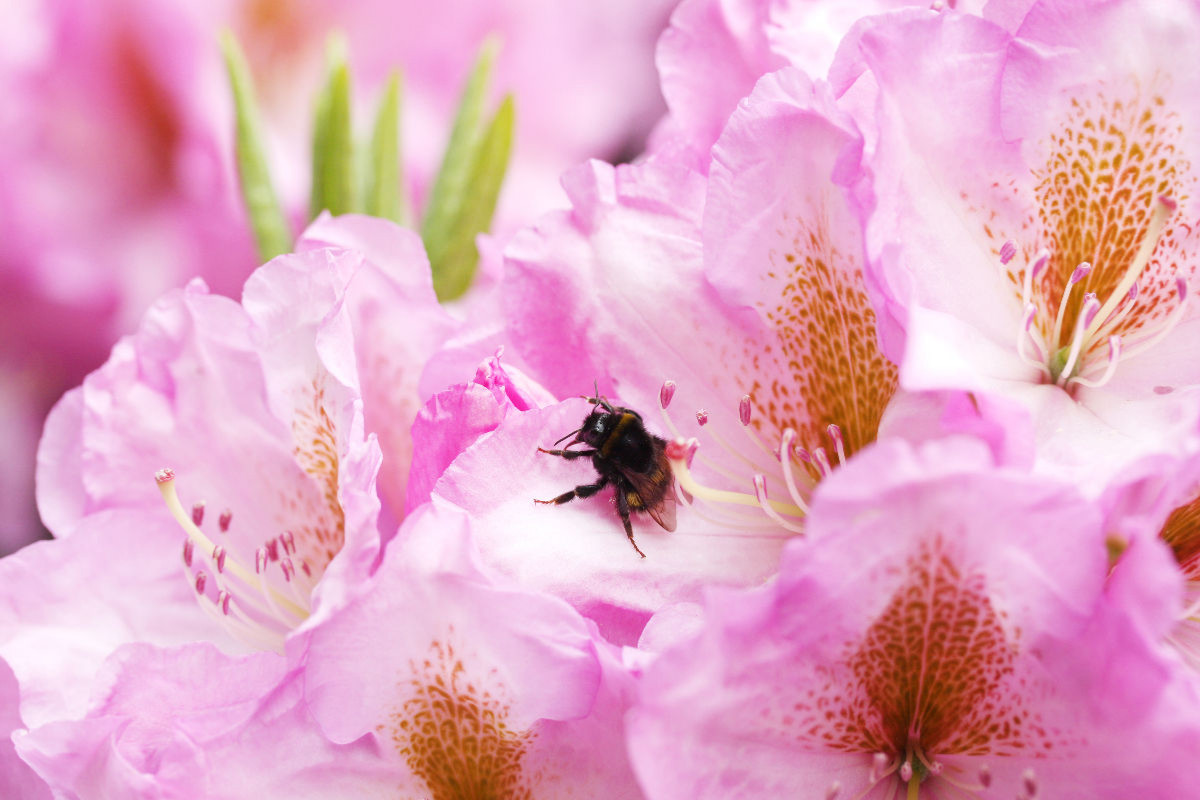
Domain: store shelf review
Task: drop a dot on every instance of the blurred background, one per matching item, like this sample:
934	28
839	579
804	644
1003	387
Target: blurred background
117	176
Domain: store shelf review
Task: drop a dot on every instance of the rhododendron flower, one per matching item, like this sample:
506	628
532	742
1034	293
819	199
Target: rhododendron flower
259	410
748	305
1037	215
117	174
944	630
432	681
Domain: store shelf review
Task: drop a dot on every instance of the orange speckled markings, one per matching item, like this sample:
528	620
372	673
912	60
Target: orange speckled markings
829	368
936	674
316	451
454	734
1181	532
1107	163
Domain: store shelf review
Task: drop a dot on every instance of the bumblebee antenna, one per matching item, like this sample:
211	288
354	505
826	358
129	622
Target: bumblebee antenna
572	433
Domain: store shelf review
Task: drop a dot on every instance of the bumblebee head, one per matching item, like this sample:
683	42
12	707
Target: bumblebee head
596	428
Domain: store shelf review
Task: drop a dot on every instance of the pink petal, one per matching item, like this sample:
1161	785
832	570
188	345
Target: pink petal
455	418
396	324
69	603
579	551
16	777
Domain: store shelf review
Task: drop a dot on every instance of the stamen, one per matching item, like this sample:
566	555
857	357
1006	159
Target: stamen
1025	334
1168	325
224	520
879	763
666	393
289	542
789	478
677	452
1164	207
1007	251
839	445
1090	306
985	776
1032	273
1079	274
198	513
822	461
760	493
744	409
906	771
1029	784
702	417
1114	356
269	621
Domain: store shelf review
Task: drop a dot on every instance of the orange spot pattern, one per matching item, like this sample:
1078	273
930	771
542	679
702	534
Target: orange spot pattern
936	673
320	537
1181	532
1107	163
826	366
454	736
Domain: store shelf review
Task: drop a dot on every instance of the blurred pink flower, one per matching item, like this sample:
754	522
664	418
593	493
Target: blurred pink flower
1037	208
714	51
929	637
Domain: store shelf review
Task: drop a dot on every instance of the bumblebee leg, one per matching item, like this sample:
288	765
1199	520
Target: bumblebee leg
586	490
567	454
623	510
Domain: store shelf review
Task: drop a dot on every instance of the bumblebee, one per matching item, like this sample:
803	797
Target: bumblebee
627	456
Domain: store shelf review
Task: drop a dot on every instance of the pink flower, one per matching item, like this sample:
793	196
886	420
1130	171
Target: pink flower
1036	217
117	179
259	409
432	681
929	637
743	296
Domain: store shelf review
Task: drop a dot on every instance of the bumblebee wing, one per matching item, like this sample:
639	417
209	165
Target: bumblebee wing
664	512
656	485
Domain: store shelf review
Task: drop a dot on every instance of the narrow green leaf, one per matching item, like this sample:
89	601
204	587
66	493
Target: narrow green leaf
454	268
272	234
446	196
334	178
384	196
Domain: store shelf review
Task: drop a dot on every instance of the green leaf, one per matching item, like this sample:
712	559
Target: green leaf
384	197
451	183
454	268
272	235
334	178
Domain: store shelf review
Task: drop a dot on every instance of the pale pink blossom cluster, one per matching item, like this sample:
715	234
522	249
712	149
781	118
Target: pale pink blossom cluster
905	295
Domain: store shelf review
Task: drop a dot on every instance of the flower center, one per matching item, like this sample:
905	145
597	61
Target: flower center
1079	339
257	604
755	474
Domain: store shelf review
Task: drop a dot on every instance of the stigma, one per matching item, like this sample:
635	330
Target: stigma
1076	331
257	594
